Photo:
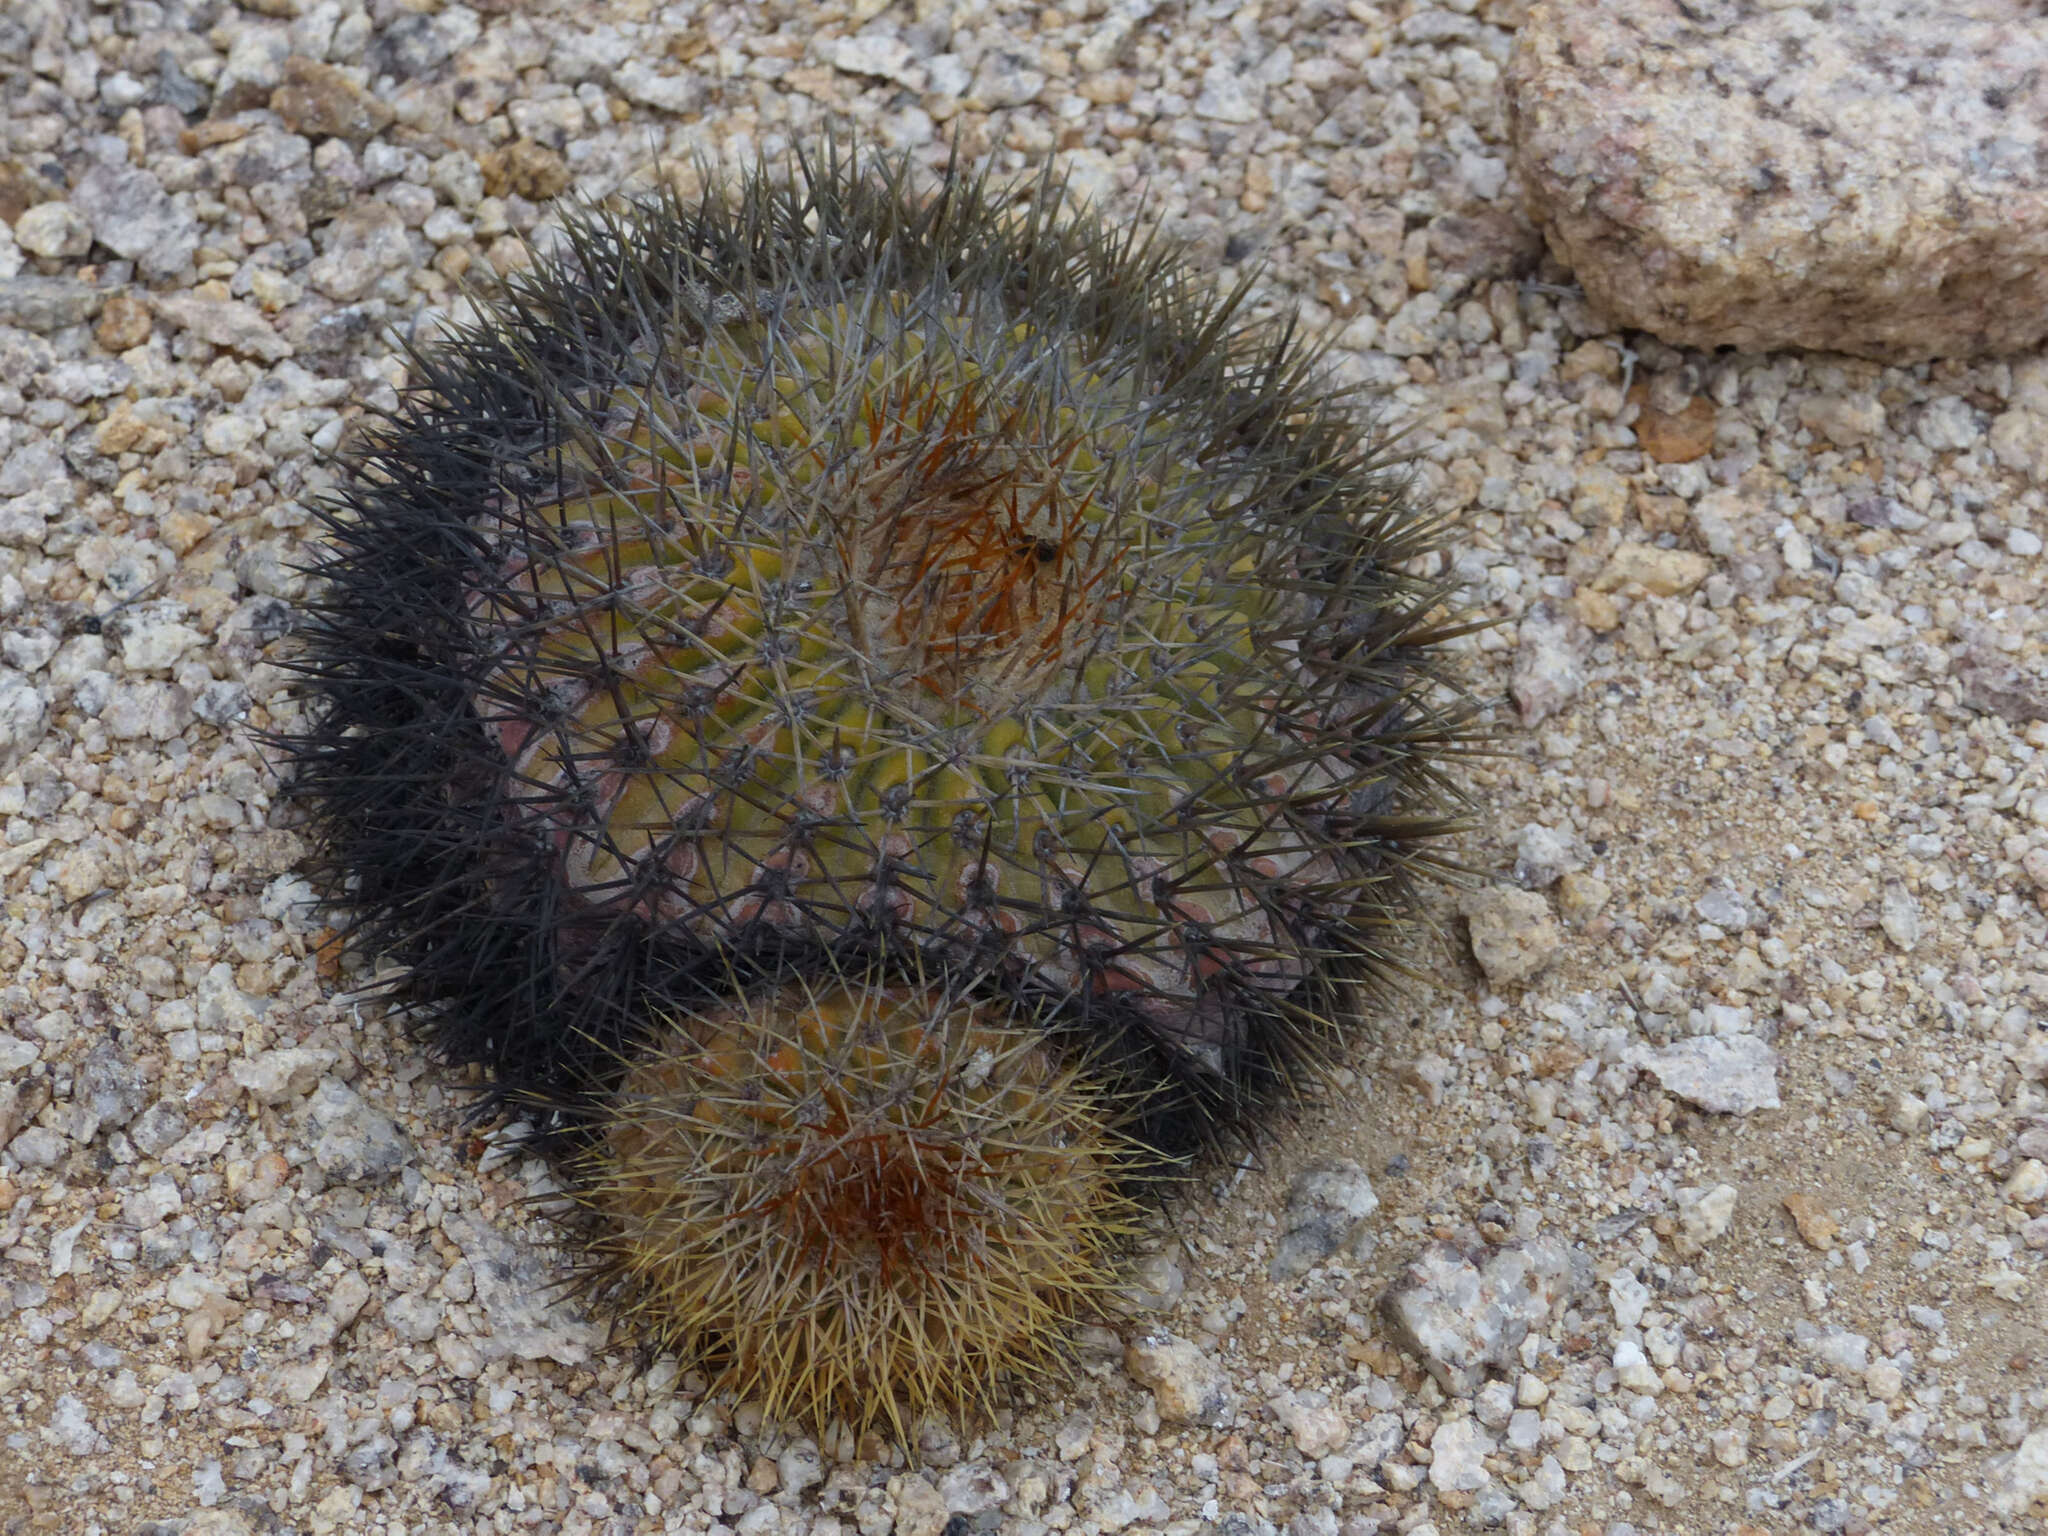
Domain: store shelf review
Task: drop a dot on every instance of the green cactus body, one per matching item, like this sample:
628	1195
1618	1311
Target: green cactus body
903	612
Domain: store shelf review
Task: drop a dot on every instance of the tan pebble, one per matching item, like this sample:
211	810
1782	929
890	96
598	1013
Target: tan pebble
1672	437
1580	896
1555	1060
81	875
2029	1183
1659	513
243	1250
125	432
1843	420
55	231
523	167
1596	610
1816	1226
320	101
1602	498
1415	260
1189	1387
104	1304
336	1507
1746	972
125	321
508	254
204	1325
1512	933
1730	1447
1662	572
919	1509
1592	359
346	1301
2036	865
183	530
1884	1381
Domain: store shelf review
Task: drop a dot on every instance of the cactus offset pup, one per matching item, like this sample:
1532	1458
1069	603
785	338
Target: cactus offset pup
894	717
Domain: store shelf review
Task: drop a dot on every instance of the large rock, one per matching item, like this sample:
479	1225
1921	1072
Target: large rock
1869	176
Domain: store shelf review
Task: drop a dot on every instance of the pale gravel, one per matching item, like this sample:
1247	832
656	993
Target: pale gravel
1779	710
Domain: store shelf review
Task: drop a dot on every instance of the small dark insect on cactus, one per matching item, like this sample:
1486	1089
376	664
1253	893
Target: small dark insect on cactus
893	716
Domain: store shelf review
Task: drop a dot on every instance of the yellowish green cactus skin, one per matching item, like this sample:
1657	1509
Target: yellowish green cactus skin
912	620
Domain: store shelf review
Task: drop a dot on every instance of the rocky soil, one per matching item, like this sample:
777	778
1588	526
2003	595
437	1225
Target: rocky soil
1699	1185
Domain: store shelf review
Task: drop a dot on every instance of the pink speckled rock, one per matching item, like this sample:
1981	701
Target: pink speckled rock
1865	176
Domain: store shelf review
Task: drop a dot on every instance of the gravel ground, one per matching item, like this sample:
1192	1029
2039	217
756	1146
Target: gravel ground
1739	1110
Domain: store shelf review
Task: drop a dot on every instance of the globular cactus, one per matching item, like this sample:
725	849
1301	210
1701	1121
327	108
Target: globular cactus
826	618
854	1191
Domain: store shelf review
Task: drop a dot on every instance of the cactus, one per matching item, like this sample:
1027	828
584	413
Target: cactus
788	606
